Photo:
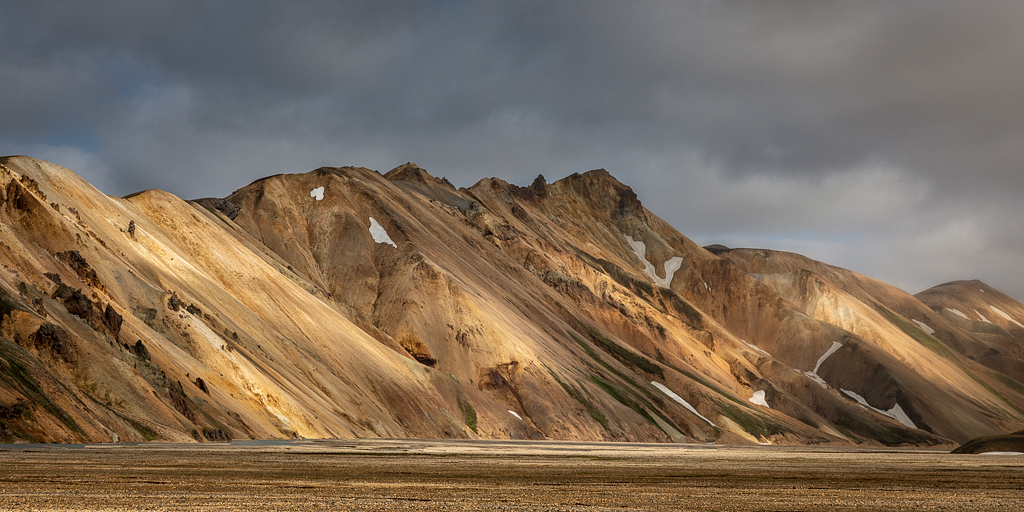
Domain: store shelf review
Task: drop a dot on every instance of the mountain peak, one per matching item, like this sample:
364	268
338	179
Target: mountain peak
605	192
410	172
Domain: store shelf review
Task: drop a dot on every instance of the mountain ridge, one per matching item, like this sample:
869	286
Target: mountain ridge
344	302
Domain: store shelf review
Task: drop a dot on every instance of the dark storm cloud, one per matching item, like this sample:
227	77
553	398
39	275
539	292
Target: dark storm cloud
882	136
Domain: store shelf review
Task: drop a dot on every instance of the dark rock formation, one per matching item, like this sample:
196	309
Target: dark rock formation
216	435
174	303
112	320
140	350
13	411
181	402
56	340
75	261
74	301
224	206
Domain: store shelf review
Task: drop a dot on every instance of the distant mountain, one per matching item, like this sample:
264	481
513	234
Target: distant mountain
344	303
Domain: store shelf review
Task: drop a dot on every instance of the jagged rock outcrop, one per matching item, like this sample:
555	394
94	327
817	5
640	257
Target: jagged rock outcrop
346	303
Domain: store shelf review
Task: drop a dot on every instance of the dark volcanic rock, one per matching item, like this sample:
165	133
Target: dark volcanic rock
76	262
20	198
201	384
224	206
13	411
140	350
112	319
74	301
174	303
55	340
181	402
216	435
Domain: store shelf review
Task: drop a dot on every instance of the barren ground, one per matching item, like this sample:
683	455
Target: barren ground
496	475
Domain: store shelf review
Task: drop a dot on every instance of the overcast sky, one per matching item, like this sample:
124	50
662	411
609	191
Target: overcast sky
884	137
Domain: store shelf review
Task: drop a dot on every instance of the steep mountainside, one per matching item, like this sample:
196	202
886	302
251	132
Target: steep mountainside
346	303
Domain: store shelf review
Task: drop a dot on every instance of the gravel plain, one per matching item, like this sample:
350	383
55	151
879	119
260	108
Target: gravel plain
501	476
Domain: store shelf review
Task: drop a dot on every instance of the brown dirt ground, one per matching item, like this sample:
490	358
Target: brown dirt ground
500	475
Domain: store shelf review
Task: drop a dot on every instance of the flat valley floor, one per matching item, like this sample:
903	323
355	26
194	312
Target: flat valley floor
500	475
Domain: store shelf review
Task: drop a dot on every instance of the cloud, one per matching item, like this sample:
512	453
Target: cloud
879	134
87	165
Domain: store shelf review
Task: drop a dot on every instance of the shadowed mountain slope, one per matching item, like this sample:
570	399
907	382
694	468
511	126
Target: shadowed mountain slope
346	303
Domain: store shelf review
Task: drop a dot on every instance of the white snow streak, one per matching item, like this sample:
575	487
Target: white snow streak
513	413
958	313
895	413
813	374
671	394
379	234
1008	317
924	327
671	266
981	316
318	193
1001	453
758	399
755	347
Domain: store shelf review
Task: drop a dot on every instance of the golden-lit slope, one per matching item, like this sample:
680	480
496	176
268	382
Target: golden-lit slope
346	303
991	319
273	359
922	343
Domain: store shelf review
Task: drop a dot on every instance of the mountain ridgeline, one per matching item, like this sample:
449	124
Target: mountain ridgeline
342	303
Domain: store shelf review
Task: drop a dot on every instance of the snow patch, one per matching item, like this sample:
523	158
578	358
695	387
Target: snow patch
895	413
706	287
1004	315
957	312
671	394
755	347
671	266
758	399
813	374
379	234
924	327
513	413
981	316
1001	453
318	193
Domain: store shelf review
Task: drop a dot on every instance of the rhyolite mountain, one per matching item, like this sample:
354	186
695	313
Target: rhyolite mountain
344	303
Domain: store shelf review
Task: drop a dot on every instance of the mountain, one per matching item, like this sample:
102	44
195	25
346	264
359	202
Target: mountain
1002	444
344	303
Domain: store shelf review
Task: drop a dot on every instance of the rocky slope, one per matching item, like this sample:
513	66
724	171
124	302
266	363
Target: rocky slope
345	303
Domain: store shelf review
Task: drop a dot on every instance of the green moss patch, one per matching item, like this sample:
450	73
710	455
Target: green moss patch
468	414
915	332
18	377
579	395
623	354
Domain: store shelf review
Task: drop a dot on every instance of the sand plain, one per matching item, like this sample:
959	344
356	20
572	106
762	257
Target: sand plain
500	475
